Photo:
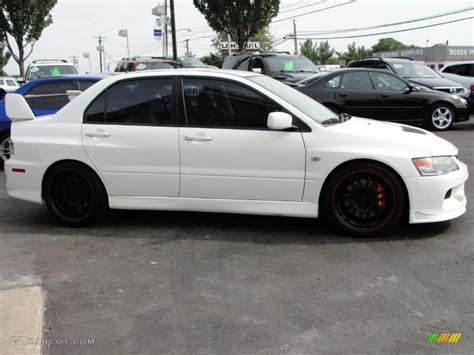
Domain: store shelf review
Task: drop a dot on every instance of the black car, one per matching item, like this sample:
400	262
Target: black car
281	66
417	73
384	96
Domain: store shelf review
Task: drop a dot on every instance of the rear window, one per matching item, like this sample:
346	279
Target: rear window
11	83
59	87
42	71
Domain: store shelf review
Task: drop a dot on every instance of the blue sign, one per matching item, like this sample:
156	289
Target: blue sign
158	33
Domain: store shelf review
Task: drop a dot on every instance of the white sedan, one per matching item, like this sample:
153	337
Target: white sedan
228	141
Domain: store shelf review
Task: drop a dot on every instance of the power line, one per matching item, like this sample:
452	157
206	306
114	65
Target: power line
289	36
388	24
314	11
303	6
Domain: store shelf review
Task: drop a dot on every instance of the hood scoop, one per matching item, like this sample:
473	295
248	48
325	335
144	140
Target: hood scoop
413	130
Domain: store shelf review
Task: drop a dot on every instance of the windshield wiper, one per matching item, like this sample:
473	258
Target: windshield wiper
333	120
343	117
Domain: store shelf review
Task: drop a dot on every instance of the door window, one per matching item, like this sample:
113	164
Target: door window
137	102
50	95
451	69
356	81
388	82
463	69
333	82
213	103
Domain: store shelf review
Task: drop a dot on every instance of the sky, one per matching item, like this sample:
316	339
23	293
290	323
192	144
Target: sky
77	22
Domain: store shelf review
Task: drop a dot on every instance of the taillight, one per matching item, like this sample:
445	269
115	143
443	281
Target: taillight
471	87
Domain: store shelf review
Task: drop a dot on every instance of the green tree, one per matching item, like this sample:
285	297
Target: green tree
389	44
4	58
241	19
353	52
23	22
215	59
318	54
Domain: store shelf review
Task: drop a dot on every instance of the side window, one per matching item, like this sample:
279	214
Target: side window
451	69
356	81
389	82
129	67
244	64
141	102
334	82
96	112
213	103
84	85
50	95
463	69
58	87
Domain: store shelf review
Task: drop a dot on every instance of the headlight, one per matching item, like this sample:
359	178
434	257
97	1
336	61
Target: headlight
431	166
463	101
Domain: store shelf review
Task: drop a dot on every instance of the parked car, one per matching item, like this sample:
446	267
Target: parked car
43	68
417	73
281	66
44	96
228	141
8	84
145	63
191	62
462	73
381	95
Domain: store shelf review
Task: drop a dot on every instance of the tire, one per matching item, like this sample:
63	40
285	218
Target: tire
75	195
440	118
5	148
363	199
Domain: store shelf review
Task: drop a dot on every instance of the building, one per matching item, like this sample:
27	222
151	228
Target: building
435	57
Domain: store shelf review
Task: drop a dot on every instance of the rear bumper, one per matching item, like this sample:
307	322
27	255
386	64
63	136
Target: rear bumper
5	126
437	198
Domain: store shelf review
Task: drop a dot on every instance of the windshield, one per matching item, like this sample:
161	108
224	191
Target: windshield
154	65
278	64
42	71
312	78
414	70
305	104
190	61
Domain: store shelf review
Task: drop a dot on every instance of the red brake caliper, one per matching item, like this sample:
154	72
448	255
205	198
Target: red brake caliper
380	196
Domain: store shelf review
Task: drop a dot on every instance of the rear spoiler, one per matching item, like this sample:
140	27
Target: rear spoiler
17	108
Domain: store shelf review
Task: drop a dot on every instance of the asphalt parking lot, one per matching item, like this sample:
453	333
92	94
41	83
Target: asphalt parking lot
159	282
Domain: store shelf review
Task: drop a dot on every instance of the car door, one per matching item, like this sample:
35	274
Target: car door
356	95
48	97
130	133
227	151
396	101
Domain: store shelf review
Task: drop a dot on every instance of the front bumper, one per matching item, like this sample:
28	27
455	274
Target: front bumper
462	113
437	198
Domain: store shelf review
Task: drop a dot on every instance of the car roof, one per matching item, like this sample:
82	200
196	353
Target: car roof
187	71
458	63
72	76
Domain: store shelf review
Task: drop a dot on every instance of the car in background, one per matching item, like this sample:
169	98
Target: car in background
462	73
144	63
417	73
44	96
281	66
328	67
8	84
42	68
228	142
378	94
191	62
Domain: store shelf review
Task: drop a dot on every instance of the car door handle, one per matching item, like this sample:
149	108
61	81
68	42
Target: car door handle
98	134
343	95
385	95
198	138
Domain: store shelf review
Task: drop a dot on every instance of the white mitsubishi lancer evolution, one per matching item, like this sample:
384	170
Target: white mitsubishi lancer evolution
227	141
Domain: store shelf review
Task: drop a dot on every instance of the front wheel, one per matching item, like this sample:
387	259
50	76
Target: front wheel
363	199
74	195
441	118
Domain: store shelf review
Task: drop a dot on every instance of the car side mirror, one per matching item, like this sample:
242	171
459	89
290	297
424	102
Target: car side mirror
409	89
257	70
72	94
279	121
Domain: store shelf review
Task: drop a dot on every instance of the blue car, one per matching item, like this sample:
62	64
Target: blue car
45	96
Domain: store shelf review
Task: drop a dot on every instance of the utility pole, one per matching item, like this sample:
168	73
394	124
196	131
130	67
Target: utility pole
187	47
294	37
75	61
228	44
165	31
173	31
100	48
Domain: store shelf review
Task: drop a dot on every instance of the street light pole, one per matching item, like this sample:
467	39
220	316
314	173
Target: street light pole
173	31
124	33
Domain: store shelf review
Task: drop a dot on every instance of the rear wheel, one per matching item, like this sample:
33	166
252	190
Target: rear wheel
74	195
6	148
441	118
363	199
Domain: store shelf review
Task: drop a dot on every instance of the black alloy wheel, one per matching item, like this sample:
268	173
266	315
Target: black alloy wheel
364	199
74	195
